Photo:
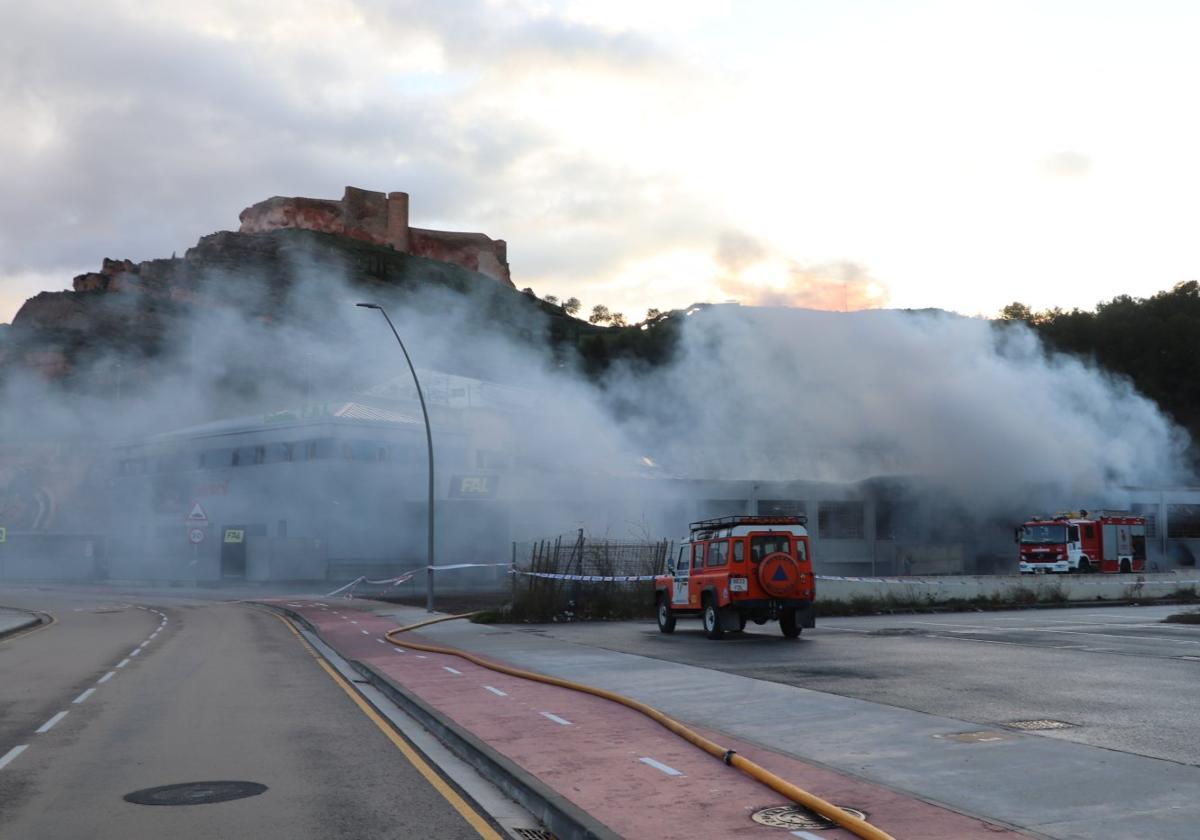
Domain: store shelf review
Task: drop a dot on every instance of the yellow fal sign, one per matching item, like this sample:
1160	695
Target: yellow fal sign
235	535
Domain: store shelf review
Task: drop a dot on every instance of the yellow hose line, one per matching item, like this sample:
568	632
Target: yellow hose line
860	828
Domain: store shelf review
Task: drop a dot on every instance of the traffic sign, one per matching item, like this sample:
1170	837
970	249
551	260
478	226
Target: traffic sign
197	513
3	535
235	535
195	536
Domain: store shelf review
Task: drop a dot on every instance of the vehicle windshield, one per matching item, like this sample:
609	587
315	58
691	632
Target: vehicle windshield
760	547
1044	534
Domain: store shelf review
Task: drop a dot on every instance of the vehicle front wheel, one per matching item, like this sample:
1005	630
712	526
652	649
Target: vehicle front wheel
789	623
712	620
1085	567
666	618
741	621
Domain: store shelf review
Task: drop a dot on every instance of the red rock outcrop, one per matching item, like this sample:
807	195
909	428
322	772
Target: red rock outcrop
381	219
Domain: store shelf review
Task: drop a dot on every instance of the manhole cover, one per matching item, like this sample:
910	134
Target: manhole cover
795	817
1035	725
195	793
533	834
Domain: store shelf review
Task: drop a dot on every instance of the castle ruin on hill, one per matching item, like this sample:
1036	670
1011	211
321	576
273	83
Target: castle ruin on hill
380	219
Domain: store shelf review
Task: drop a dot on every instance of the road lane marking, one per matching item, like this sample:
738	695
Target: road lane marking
556	719
123	663
398	650
48	725
11	756
382	641
365	632
496	691
135	653
106	678
143	644
472	816
352	621
658	765
805	835
88	693
454	671
422	656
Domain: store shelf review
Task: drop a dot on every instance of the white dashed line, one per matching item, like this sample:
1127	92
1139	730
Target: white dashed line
496	691
556	719
143	644
352	621
122	663
48	725
398	650
106	678
805	835
135	653
11	756
365	632
421	656
658	765
86	694
454	671
381	641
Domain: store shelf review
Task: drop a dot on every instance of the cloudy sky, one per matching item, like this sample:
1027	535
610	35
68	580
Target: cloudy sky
839	154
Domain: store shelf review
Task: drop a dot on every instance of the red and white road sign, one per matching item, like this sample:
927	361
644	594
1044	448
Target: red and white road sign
195	536
197	513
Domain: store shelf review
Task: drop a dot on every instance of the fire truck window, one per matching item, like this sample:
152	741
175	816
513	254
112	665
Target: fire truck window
1073	534
739	551
718	552
1089	532
698	556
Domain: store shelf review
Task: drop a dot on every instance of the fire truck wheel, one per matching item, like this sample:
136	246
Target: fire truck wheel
1085	567
712	619
666	618
1125	567
789	624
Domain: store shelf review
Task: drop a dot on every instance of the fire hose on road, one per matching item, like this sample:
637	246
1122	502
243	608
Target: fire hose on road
860	828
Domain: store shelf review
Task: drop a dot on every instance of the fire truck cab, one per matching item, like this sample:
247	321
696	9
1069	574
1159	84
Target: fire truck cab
1079	542
735	569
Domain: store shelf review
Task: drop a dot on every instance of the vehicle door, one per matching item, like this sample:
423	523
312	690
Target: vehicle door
679	585
698	554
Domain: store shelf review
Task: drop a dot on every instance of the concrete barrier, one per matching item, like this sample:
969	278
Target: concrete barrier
1018	588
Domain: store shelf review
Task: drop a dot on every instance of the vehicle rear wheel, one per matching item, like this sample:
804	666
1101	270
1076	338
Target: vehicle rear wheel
666	618
1085	566
789	623
712	620
1125	567
741	621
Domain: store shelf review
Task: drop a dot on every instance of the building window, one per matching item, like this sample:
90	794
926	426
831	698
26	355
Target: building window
840	520
780	507
1150	511
281	528
1183	522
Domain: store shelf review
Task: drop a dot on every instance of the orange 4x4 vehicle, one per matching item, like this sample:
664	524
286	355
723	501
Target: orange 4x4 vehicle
737	569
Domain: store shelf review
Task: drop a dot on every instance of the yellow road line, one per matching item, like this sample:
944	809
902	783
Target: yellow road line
448	793
41	625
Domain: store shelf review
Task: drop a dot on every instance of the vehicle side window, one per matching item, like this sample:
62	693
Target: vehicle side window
739	551
718	553
1089	532
801	550
698	556
1073	534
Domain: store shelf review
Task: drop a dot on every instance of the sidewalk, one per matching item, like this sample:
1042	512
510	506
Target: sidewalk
14	621
623	769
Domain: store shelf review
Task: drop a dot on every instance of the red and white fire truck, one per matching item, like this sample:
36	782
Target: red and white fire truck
1082	542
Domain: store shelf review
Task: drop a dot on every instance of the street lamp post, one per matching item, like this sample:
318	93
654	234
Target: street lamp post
428	444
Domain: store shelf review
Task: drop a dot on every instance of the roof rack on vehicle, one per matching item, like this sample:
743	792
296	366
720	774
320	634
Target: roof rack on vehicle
731	521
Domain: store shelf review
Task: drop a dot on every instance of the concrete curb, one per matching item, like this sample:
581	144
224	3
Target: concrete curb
564	819
34	620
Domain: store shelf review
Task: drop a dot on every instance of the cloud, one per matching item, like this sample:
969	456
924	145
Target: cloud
1067	165
752	273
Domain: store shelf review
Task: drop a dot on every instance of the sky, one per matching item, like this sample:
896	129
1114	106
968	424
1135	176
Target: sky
834	155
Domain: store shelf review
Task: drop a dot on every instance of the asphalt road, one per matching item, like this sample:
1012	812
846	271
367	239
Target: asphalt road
1117	675
219	691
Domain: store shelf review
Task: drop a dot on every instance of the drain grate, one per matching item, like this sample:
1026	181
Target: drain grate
195	793
533	834
1037	725
794	817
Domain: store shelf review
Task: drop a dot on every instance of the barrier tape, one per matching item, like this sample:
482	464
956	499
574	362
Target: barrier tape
588	578
361	579
1075	580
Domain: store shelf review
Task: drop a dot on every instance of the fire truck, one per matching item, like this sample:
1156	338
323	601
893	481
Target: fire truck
735	569
1083	542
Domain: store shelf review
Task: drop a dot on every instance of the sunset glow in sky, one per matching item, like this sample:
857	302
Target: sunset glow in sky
837	155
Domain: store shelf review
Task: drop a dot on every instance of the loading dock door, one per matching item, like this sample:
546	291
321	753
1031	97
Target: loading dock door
233	551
